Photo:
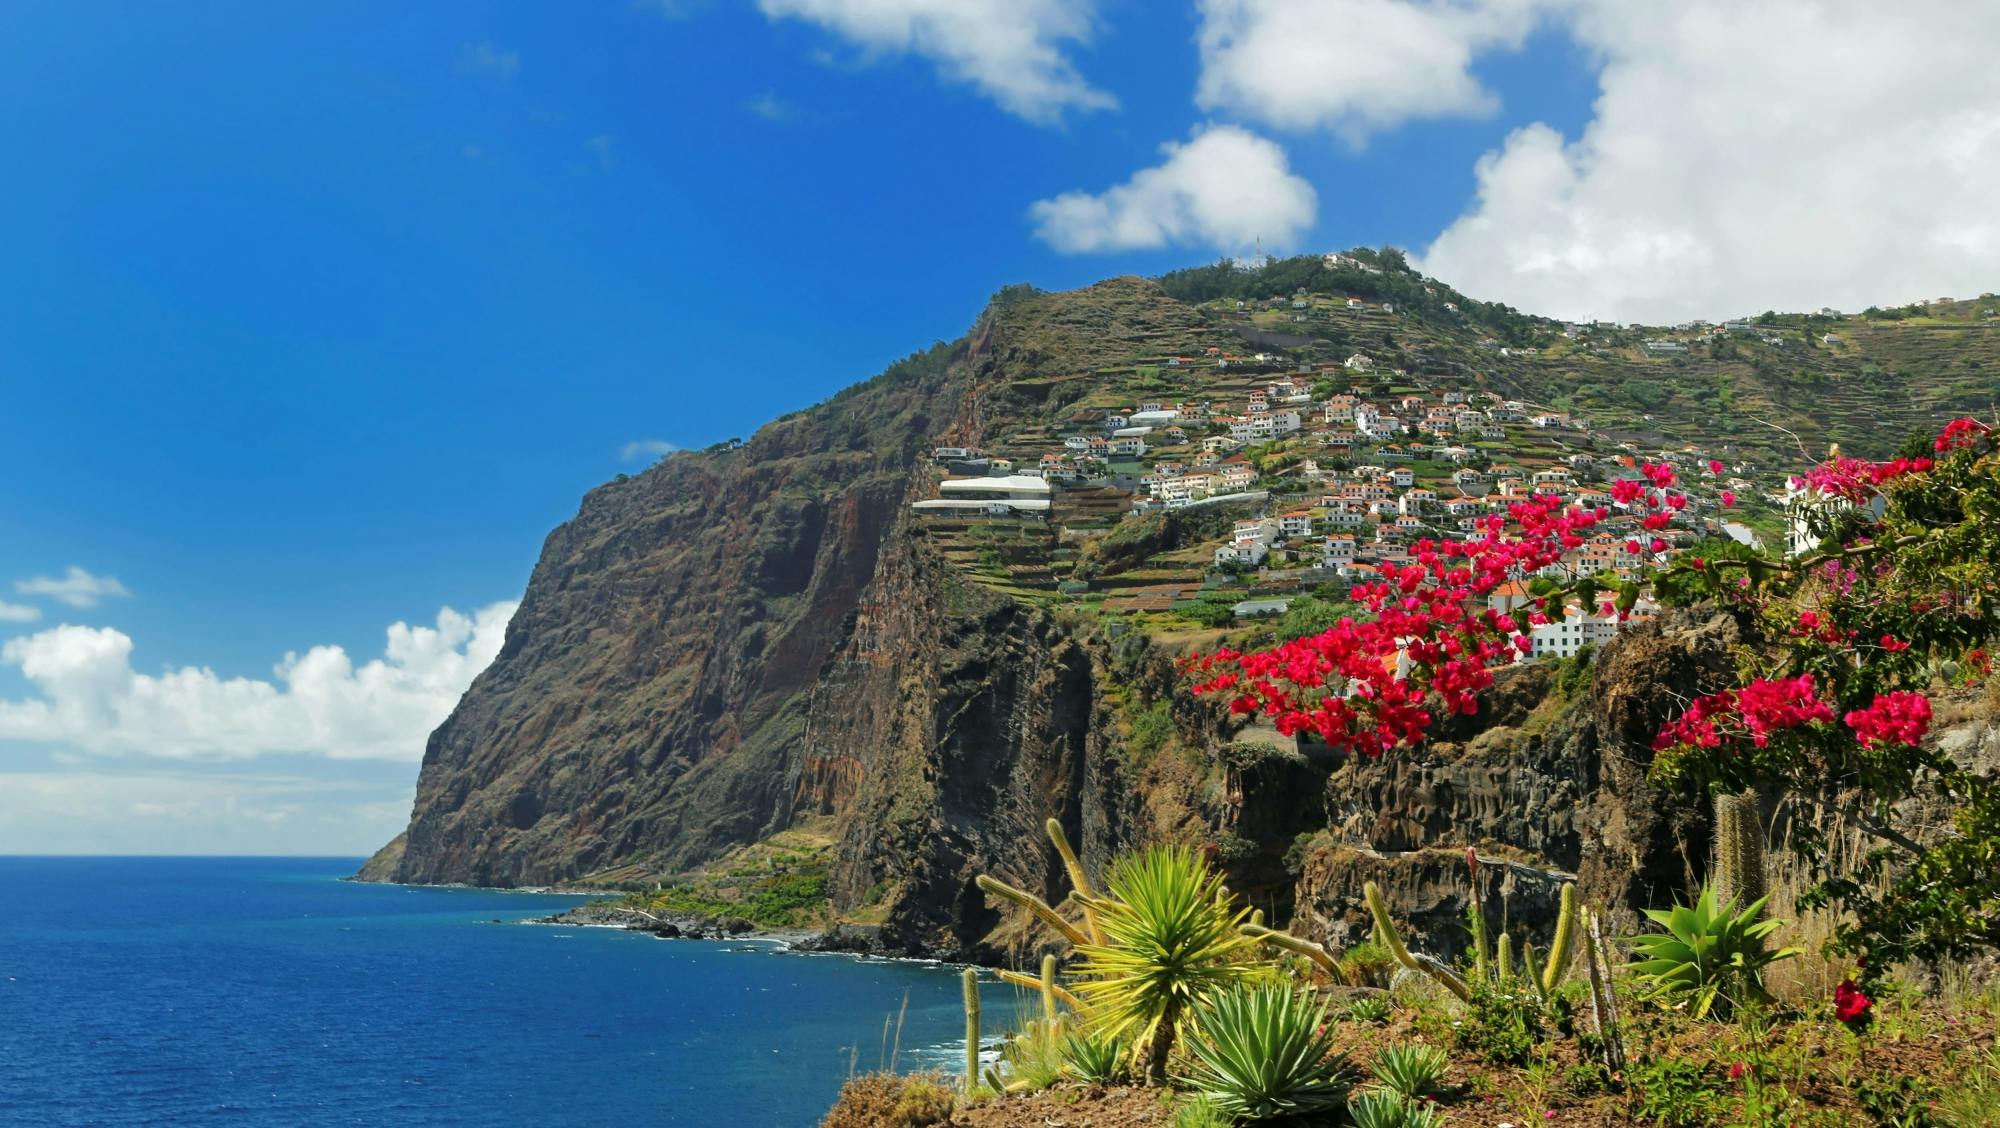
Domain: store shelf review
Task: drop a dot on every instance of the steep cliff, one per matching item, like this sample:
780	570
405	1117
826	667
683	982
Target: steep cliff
746	636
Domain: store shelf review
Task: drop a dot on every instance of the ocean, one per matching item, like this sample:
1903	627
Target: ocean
266	991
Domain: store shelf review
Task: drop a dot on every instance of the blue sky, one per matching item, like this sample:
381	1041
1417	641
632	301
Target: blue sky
315	318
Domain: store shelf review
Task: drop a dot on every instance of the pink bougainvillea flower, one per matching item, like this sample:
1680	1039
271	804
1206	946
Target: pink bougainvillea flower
1849	1004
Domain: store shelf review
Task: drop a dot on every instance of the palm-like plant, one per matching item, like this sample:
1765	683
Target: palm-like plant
1260	1052
1708	953
1170	938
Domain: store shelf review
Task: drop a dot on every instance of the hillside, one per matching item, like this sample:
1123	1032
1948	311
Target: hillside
779	635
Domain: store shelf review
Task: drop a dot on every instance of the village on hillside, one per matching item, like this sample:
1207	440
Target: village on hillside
1267	481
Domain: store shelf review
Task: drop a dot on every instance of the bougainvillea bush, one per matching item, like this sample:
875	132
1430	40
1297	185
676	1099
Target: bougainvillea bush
1831	702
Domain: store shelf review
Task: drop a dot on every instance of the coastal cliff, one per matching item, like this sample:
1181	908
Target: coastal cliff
763	639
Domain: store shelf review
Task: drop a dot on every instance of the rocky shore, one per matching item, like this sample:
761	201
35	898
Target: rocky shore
855	939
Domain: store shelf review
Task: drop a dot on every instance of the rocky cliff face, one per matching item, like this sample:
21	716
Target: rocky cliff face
743	638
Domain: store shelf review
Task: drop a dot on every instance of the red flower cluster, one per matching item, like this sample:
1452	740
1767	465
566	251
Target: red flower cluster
1363	685
1857	479
1892	718
1849	1004
1755	711
1960	433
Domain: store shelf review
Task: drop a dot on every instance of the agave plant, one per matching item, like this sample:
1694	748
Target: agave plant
1708	954
1170	938
1092	1056
1262	1052
1369	1008
1386	1108
1410	1070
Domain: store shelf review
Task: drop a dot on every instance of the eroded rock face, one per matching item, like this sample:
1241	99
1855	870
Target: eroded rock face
738	639
1545	792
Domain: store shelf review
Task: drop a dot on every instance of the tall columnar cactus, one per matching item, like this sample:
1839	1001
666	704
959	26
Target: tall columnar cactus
1739	848
971	978
1049	1013
1079	880
1393	940
1563	945
1316	953
1034	905
1603	999
1503	958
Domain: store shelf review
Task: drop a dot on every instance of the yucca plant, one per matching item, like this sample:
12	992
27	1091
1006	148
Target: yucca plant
1262	1052
1385	1108
1093	1057
1708	954
1170	938
1410	1070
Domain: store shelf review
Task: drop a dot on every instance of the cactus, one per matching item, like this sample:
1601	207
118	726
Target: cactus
1475	918
1603	1002
1739	848
1034	983
1299	944
1257	916
971	978
1560	948
1034	905
1079	880
1049	1013
1393	941
1503	958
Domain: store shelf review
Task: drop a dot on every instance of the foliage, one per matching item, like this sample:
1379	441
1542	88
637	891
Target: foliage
1502	1024
884	1100
1198	1111
1151	728
1410	1070
1263	1052
1830	704
1369	1008
1033	1058
1385	1108
1170	938
1093	1056
1310	616
1674	1093
1708	954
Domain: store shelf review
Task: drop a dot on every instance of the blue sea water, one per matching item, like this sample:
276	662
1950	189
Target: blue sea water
237	991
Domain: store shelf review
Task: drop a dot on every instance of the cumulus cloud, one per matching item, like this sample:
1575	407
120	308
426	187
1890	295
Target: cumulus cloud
1013	51
236	812
76	587
18	612
87	697
1225	188
1789	154
1352	66
485	58
645	450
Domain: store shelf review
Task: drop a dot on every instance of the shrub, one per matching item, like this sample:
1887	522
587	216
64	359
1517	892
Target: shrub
1708	954
1262	1052
884	1100
1502	1024
1674	1094
1199	1112
1368	964
1410	1070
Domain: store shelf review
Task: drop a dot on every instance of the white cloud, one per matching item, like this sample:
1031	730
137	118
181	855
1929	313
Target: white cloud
485	58
645	450
1013	51
18	612
1224	188
155	812
77	588
88	697
1352	66
1788	154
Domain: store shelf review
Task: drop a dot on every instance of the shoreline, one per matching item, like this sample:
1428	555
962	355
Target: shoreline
842	939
